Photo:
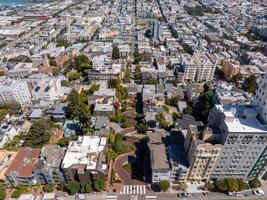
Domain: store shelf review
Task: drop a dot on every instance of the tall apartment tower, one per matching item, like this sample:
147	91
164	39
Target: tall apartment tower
157	30
201	155
15	90
244	140
260	99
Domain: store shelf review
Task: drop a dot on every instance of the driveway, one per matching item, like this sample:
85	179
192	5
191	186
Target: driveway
126	177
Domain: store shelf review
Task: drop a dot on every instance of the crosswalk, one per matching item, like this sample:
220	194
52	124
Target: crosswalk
133	189
151	197
111	197
133	197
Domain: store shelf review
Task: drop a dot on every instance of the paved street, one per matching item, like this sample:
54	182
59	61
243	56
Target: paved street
161	196
125	177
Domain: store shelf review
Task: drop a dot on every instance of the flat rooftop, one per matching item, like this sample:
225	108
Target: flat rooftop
242	118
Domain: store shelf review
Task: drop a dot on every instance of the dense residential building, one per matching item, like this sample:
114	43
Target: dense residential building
205	67
160	168
15	90
47	169
230	68
20	171
260	99
201	155
6	158
157	30
190	67
243	138
85	159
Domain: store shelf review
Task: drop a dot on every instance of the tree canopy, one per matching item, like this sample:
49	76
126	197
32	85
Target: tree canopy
39	133
164	185
77	109
82	62
250	84
115	53
254	183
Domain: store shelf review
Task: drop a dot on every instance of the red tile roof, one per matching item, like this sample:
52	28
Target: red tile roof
24	162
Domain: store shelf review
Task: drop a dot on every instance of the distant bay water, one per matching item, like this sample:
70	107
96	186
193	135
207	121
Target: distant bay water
22	1
12	1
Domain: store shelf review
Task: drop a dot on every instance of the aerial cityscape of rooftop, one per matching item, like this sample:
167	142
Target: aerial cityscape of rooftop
133	99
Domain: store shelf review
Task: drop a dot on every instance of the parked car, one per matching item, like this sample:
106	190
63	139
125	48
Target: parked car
80	197
231	193
239	194
258	192
183	195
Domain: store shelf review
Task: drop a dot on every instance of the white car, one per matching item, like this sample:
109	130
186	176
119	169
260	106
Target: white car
258	192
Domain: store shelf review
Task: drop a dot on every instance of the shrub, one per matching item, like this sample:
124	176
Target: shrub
232	184
49	188
254	183
164	185
221	185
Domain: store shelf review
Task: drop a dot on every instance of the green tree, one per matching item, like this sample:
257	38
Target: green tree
118	146
2	192
88	188
175	116
254	183
64	142
127	73
10	105
111	154
164	185
221	185
142	126
62	186
166	108
102	184
61	42
39	133
82	62
3	113
73	187
188	109
242	184
114	83
16	194
49	188
115	53
93	88
56	71
232	184
119	137
137	72
250	84
202	107
74	75
111	138
65	83
238	77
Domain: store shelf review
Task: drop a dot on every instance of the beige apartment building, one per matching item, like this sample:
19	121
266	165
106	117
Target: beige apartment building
201	155
230	68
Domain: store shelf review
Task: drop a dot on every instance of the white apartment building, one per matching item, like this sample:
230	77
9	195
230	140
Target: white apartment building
21	70
190	67
85	159
45	92
47	89
7	133
244	140
205	67
260	99
15	90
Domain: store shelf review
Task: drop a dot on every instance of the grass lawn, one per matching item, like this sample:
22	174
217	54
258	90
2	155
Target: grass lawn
128	167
